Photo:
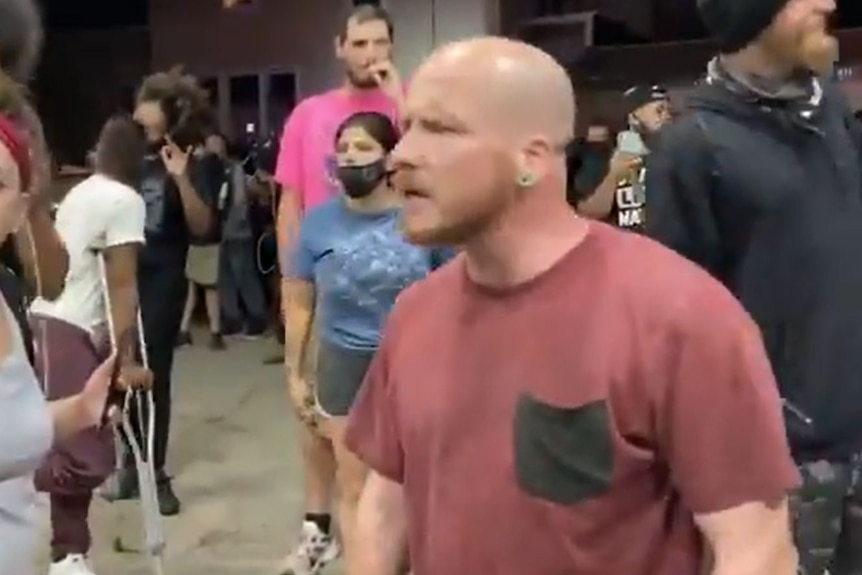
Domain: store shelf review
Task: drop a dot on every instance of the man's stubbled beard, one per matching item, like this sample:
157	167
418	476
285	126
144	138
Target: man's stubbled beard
368	83
809	49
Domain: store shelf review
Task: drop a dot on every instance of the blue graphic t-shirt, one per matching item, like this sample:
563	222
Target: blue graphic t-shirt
358	262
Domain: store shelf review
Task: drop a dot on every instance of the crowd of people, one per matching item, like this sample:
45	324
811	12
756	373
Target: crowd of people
660	381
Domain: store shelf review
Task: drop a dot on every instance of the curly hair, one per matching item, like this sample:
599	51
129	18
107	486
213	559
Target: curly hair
185	104
21	37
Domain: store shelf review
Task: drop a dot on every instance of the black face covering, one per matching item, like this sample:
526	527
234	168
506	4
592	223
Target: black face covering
360	181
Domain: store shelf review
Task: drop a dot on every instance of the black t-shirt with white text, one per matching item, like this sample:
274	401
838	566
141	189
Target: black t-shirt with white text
628	210
165	228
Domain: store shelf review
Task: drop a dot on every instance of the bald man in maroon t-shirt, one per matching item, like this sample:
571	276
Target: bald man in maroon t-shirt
563	398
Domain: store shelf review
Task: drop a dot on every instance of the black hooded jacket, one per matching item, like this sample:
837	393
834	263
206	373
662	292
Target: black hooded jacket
767	196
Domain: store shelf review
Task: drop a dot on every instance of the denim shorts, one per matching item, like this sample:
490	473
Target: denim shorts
340	372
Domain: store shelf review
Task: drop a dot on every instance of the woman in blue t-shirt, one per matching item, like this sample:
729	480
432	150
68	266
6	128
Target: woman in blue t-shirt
350	263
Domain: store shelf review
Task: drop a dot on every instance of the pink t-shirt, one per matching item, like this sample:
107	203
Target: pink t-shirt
306	159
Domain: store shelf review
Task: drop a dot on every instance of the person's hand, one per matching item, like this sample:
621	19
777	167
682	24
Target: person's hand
302	398
388	79
622	163
264	177
176	159
135	377
90	403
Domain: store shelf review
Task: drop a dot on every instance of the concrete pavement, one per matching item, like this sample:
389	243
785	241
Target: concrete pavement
237	470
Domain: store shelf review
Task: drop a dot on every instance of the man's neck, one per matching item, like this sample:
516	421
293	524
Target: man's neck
763	74
352	90
516	249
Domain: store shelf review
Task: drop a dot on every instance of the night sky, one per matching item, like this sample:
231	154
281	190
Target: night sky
94	14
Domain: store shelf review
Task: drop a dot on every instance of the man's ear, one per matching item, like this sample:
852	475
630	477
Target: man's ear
337	45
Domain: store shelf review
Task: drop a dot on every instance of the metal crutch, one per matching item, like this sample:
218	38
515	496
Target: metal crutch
153	526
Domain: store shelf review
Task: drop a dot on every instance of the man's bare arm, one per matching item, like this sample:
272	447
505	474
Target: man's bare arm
121	273
288	216
381	528
751	539
287	219
598	205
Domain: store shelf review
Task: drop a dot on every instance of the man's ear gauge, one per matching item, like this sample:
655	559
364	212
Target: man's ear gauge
526	180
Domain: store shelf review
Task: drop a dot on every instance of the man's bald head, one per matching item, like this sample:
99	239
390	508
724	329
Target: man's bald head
524	88
487	121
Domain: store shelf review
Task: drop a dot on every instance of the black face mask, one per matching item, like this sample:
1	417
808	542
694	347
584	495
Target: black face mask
360	181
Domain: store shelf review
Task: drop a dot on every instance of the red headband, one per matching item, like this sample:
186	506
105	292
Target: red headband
16	142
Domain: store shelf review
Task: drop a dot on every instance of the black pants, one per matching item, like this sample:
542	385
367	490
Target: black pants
827	514
162	288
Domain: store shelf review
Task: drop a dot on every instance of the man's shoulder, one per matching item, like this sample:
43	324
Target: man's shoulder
663	287
311	104
683	135
97	192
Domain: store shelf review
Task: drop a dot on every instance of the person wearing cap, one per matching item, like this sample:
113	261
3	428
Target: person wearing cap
620	198
760	182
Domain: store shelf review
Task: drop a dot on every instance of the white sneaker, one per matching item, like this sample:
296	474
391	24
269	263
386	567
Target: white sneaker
314	552
71	565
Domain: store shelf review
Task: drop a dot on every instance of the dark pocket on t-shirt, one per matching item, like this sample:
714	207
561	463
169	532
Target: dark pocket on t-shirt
564	455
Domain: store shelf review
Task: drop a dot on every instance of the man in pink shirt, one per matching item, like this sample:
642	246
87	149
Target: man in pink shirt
306	171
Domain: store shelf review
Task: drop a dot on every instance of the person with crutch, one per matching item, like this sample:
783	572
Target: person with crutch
102	217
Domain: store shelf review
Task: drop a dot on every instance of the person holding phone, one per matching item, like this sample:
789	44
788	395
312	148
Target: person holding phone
180	192
621	197
30	423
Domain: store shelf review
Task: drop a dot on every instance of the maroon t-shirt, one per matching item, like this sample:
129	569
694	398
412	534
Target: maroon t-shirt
574	424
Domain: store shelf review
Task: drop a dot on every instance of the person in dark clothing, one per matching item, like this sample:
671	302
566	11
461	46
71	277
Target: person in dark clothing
760	182
180	192
619	195
240	288
587	162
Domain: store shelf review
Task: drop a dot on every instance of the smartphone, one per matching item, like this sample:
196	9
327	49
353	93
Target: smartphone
630	142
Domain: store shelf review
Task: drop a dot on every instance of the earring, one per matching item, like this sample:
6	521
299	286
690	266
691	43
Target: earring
526	180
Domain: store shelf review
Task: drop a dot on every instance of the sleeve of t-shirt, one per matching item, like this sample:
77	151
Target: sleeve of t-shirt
289	165
207	176
720	421
125	219
679	180
373	431
300	264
